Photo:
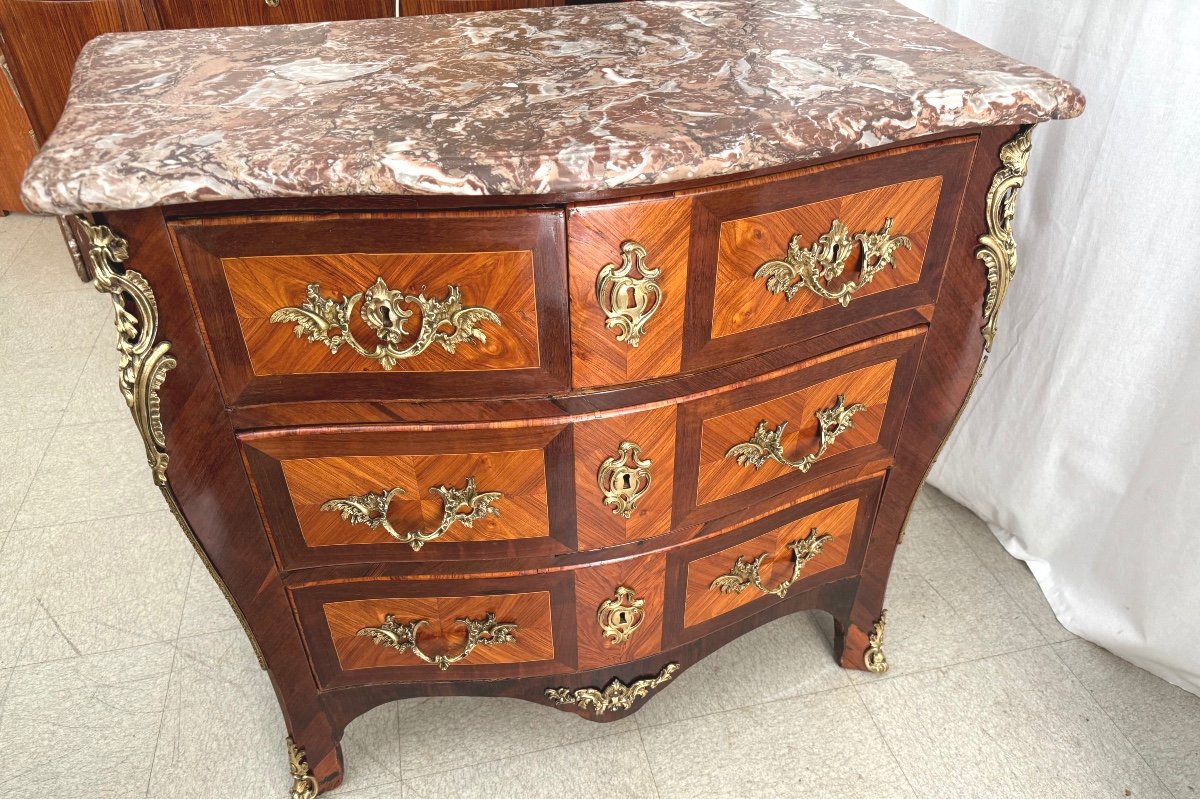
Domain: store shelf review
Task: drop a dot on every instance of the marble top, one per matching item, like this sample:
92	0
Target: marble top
576	99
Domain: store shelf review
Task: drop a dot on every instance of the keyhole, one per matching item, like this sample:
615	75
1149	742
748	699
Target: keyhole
386	316
622	617
626	482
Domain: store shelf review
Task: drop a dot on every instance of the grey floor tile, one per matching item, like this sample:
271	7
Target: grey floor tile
97	397
391	790
15	231
780	660
220	709
205	608
929	497
43	265
1013	575
613	766
944	606
822	746
85	726
79	315
12	638
105	584
23	454
446	733
90	472
35	390
1160	720
1018	726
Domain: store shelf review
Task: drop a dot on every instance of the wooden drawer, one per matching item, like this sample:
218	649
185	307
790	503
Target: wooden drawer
381	306
355	496
228	13
515	622
824	415
752	245
731	576
681	284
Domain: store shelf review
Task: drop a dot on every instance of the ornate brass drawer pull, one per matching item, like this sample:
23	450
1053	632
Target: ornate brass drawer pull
403	637
617	696
371	509
825	261
767	445
446	322
628	302
746	573
624	479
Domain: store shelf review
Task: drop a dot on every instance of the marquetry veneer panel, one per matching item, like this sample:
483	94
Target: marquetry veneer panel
244	269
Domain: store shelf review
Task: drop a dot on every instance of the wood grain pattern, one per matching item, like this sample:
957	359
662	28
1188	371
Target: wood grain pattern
502	282
595	234
412	8
703	602
876	373
298	472
16	143
242	266
594	585
42	40
741	302
227	13
519	476
736	229
654	433
542	606
443	635
720	476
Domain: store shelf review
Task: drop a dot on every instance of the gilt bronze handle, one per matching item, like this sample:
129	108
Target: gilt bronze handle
446	322
746	573
825	260
767	445
403	637
371	509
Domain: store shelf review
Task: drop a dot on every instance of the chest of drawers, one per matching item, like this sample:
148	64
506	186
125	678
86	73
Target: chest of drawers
493	434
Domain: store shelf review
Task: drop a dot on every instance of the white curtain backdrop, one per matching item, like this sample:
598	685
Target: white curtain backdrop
1080	446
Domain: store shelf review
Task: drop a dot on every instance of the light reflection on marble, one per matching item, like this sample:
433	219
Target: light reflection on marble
540	101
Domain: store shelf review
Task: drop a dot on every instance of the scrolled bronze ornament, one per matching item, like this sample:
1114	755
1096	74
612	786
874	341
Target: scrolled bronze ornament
621	615
873	658
445	322
825	261
998	248
767	444
304	784
463	506
403	637
624	479
144	360
628	300
616	696
746	573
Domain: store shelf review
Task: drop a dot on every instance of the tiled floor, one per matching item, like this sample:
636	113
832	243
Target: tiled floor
124	674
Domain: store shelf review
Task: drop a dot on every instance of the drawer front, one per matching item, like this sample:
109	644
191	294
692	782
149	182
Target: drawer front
619	610
228	13
344	497
777	261
824	415
387	306
739	573
397	630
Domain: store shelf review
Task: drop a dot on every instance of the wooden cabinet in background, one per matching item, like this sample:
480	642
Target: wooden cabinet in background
16	143
222	13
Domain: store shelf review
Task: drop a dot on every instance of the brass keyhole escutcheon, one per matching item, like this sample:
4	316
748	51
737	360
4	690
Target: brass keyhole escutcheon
624	479
621	615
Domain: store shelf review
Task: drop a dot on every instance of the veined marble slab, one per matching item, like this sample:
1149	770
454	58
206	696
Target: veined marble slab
526	102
